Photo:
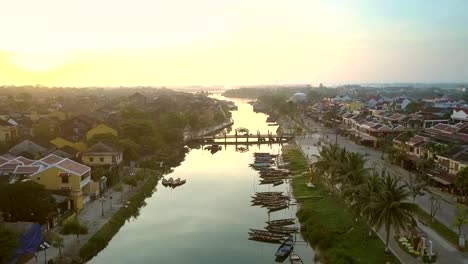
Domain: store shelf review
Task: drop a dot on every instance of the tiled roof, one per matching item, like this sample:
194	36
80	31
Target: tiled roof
24	160
27	169
101	148
51	159
73	166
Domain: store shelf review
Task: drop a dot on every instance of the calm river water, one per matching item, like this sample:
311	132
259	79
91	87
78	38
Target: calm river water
207	219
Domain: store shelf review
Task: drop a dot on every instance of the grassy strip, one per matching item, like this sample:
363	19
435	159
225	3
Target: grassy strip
102	237
445	232
328	225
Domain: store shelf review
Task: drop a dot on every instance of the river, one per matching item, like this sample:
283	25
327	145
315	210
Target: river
206	220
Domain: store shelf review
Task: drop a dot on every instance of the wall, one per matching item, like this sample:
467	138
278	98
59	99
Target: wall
107	159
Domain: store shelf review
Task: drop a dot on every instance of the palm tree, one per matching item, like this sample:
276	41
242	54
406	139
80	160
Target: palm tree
390	207
363	197
328	163
353	172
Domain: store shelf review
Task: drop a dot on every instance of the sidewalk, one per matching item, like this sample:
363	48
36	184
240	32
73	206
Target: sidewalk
91	216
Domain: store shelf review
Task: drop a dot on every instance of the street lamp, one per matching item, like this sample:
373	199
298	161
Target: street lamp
44	246
102	199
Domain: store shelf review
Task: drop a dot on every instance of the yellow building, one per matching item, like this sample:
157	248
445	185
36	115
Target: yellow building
99	130
352	106
7	131
66	176
58	114
101	154
60	142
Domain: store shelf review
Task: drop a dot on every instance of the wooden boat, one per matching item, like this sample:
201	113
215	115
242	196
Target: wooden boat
278	183
260	165
285	248
176	182
265	233
274	209
267	193
281	222
182	182
266	239
295	259
164	182
281	229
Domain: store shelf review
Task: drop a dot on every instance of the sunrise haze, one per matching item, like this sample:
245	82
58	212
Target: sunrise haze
154	42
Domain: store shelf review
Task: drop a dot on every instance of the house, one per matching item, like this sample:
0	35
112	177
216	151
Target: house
64	176
46	127
101	154
8	131
75	129
137	99
454	160
459	115
60	143
99	130
66	152
31	149
400	104
22	122
355	105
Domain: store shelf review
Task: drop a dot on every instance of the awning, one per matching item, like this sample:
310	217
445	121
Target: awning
440	180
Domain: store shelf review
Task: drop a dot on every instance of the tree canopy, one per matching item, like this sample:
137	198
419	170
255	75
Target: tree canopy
26	201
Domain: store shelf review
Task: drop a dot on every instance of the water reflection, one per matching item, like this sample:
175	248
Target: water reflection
207	220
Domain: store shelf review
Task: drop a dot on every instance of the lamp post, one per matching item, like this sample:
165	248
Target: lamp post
102	199
44	246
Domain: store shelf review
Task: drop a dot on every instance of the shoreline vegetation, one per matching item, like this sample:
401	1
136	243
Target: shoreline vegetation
327	224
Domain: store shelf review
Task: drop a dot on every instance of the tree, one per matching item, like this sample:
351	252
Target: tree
416	185
56	240
461	182
26	201
353	173
435	205
389	207
364	196
329	162
130	181
461	218
98	173
74	227
8	244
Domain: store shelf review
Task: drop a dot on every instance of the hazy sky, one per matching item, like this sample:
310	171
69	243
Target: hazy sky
181	42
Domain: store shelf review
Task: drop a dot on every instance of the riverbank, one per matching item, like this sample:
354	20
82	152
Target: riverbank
102	237
327	224
206	131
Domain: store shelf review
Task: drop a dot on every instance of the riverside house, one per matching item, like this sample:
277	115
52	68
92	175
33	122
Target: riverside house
101	154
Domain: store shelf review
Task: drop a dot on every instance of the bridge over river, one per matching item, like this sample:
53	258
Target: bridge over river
243	136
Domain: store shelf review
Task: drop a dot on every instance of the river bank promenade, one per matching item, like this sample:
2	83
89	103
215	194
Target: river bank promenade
91	216
447	252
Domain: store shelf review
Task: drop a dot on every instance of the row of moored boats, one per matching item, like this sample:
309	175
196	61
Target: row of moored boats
173	183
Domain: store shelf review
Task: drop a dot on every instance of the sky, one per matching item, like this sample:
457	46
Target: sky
232	42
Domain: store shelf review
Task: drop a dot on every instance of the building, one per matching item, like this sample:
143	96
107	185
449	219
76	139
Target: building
31	149
65	177
101	154
100	129
8	131
459	115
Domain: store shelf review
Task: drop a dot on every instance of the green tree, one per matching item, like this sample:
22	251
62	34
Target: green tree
329	162
353	173
461	218
8	244
130	181
416	185
390	208
98	172
461	182
73	226
365	194
56	240
26	201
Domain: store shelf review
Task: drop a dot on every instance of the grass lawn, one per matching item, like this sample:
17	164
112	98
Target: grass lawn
439	228
327	224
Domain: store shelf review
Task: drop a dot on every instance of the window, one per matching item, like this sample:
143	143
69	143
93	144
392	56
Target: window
101	159
91	159
65	179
